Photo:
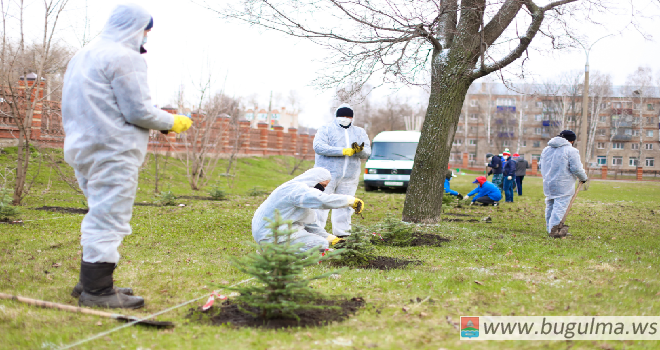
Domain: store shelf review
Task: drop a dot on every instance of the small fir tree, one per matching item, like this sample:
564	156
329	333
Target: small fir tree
280	289
7	210
357	248
393	232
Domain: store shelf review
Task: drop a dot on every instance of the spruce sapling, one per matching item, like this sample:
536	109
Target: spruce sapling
356	249
280	289
7	210
394	232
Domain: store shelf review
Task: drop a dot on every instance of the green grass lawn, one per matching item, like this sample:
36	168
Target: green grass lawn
608	267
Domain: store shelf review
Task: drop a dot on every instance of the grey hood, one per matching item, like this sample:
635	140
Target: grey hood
558	141
126	25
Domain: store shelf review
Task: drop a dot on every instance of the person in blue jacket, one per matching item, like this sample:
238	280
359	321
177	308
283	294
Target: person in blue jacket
486	193
496	168
509	173
448	189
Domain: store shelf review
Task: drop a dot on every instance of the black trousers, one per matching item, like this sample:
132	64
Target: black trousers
485	200
519	180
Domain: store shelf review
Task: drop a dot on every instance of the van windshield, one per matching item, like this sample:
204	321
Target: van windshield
393	150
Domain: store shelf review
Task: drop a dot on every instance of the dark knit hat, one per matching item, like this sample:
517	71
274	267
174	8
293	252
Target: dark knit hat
568	135
150	25
345	112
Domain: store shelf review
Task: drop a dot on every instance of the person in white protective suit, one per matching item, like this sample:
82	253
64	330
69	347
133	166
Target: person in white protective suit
107	113
296	200
561	168
339	147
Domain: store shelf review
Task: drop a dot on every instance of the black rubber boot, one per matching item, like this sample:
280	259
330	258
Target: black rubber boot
98	289
78	289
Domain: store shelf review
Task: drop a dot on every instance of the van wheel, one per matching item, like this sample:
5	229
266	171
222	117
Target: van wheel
369	188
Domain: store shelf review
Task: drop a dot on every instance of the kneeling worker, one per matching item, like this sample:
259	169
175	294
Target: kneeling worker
296	201
448	189
486	192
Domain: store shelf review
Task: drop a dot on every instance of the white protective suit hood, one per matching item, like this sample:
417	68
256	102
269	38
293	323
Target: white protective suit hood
561	167
296	200
126	25
558	141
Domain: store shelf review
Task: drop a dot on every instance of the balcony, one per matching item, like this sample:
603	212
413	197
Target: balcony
505	134
550	123
622	138
622	124
620	111
504	109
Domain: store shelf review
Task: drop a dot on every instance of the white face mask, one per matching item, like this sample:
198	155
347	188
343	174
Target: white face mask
344	121
144	40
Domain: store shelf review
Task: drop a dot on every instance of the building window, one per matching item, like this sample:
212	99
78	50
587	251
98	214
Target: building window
632	161
249	116
649	107
617	105
617	145
474	116
538	131
539	104
628	131
648	146
602	132
617	160
636	132
473	129
509	102
650	161
472	142
603	105
506	143
536	144
474	103
600	145
524	117
458	142
472	156
602	119
536	156
649	133
634	146
602	160
570	118
459	128
524	143
538	117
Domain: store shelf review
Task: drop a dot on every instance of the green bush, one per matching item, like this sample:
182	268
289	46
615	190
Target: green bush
357	248
166	198
7	210
256	191
393	232
280	289
217	194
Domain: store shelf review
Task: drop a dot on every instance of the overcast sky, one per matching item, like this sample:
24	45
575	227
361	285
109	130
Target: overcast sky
188	39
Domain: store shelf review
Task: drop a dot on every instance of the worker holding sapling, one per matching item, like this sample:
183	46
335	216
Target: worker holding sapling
340	147
485	194
561	168
296	201
107	113
447	186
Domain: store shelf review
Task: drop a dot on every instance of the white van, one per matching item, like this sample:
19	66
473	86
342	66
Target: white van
391	161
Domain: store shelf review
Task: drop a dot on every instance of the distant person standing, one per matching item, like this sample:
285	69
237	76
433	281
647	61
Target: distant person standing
509	174
521	170
496	168
340	147
561	168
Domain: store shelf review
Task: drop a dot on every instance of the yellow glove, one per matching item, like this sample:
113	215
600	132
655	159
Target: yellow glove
358	205
181	123
348	152
332	239
357	148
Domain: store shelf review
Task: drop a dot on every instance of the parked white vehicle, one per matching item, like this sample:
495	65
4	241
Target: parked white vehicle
391	161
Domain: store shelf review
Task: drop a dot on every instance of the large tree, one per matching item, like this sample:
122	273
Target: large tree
441	44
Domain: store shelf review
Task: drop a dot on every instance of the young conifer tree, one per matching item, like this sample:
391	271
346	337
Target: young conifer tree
281	289
357	248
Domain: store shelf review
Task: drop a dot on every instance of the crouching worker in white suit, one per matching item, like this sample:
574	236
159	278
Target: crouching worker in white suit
107	113
296	201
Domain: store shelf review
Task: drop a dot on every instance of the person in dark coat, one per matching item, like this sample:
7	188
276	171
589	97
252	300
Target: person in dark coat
521	170
496	168
509	174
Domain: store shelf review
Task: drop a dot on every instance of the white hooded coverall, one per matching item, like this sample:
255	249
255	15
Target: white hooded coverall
107	113
329	142
296	201
560	168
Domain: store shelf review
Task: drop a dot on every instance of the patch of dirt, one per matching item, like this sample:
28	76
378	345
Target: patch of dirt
146	205
11	222
201	198
388	263
459	214
427	239
229	313
460	220
63	210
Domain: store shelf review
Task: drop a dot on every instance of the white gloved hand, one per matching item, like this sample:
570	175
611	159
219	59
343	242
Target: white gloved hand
509	178
466	197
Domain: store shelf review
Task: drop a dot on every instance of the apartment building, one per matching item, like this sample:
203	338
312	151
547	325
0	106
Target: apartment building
494	117
282	117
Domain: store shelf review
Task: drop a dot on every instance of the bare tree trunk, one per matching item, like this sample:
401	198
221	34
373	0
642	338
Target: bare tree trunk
156	191
424	197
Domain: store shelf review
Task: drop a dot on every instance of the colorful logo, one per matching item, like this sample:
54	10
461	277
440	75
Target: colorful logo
469	327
